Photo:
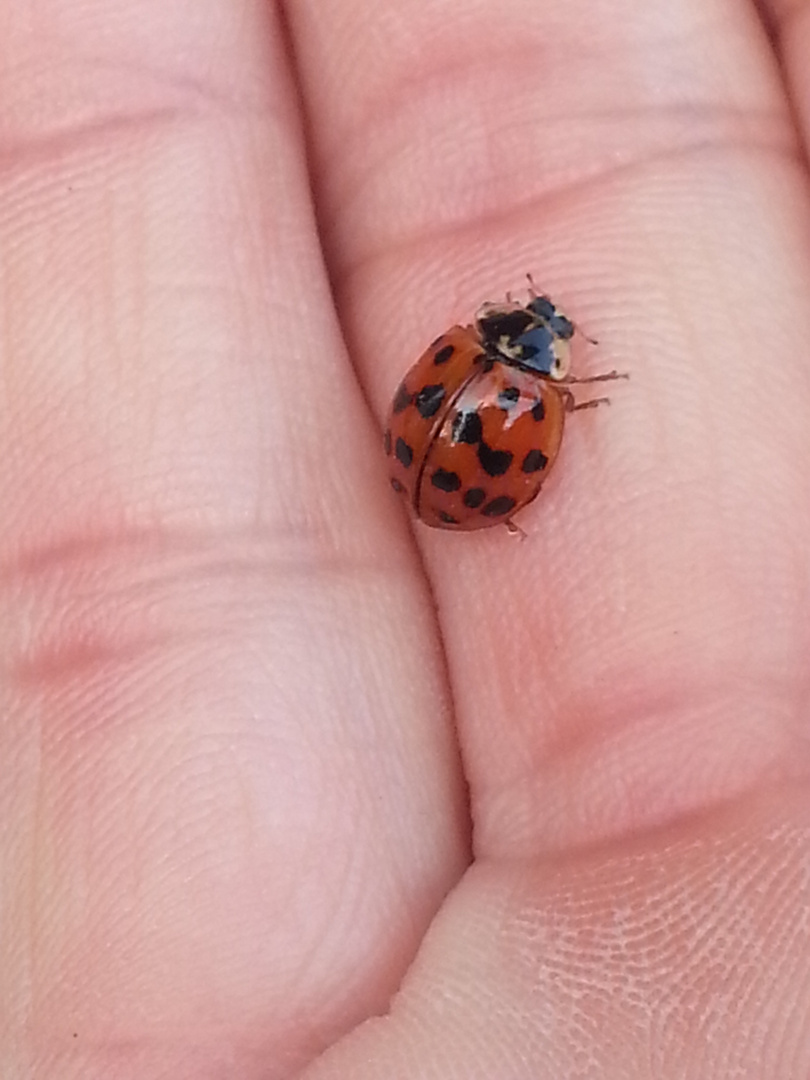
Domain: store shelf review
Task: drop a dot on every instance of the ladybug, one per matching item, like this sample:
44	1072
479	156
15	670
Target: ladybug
477	422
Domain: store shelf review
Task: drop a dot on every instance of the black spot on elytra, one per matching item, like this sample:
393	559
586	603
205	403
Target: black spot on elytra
467	428
539	410
498	507
445	481
508	397
387	441
494	462
429	399
404	453
402	399
534	461
443	355
474	497
395	484
448	519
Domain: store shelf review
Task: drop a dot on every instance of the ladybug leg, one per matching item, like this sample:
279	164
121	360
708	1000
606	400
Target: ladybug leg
588	404
606	376
515	530
571	403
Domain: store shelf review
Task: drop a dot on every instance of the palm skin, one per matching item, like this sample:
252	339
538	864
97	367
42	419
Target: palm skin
277	763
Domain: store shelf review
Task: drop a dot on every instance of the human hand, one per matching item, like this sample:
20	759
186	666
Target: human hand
271	755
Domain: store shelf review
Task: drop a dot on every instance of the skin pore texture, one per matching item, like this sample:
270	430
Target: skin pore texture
293	786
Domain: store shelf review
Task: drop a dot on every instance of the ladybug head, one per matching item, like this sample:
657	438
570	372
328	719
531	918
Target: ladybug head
534	337
558	324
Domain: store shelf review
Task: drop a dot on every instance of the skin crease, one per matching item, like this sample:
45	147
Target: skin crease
289	787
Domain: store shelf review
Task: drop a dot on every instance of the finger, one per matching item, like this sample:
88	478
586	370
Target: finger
642	654
229	807
788	21
623	964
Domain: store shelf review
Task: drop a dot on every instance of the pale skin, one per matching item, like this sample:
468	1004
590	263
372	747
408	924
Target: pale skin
277	762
